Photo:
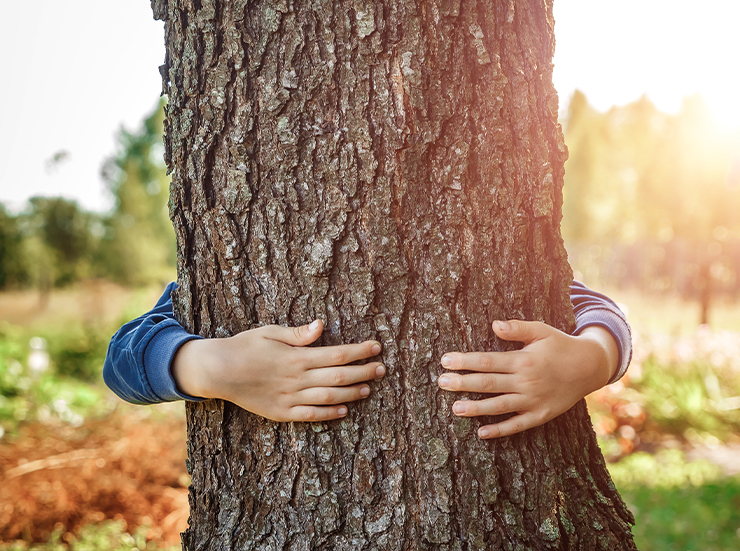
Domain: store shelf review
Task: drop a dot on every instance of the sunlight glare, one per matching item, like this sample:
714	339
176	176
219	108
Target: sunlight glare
725	106
665	49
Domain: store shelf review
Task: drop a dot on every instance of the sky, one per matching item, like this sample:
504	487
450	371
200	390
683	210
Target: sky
73	73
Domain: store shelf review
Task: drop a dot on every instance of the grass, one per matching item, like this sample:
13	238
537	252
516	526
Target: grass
703	518
66	340
66	385
109	535
679	505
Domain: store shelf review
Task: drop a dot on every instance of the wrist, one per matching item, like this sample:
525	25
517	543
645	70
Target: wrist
602	355
191	368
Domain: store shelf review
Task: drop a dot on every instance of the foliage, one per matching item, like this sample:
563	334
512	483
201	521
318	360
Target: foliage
79	353
683	515
14	269
54	242
678	504
59	240
687	388
70	345
690	386
110	535
48	396
650	198
689	401
138	245
665	469
12	353
635	173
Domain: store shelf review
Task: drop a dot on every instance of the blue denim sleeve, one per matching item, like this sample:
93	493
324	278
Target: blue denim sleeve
137	365
594	309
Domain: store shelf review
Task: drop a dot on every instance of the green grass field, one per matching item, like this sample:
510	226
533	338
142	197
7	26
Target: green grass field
679	505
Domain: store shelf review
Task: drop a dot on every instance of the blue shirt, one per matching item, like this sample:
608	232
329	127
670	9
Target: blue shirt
137	366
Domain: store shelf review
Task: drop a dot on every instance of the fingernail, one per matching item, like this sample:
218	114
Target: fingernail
459	407
376	349
444	382
314	325
380	371
502	325
342	410
446	360
364	391
484	433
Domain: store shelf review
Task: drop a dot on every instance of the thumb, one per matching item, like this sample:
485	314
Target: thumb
521	331
298	336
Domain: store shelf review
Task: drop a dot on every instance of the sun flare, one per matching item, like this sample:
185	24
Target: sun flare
665	49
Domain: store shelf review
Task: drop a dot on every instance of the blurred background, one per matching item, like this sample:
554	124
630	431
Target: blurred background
651	217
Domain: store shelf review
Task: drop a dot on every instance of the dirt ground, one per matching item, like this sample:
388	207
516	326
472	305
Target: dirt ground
129	466
93	300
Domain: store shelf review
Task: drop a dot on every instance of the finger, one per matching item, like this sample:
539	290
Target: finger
295	336
343	354
498	405
487	362
521	331
344	375
513	425
310	414
324	396
477	382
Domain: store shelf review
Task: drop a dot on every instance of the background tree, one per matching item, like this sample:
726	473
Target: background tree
395	169
586	130
13	263
138	244
653	195
58	241
54	242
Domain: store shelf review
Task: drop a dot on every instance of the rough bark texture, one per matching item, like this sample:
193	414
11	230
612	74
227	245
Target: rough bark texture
394	168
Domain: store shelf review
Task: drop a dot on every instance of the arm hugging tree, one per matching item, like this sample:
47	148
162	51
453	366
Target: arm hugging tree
395	169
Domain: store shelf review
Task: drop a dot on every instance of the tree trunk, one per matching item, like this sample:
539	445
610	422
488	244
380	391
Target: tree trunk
395	169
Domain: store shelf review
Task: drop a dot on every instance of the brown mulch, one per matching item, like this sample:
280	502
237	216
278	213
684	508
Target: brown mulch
129	466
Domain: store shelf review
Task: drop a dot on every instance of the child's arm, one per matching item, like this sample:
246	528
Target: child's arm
268	371
550	374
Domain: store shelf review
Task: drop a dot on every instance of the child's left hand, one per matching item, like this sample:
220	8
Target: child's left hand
539	382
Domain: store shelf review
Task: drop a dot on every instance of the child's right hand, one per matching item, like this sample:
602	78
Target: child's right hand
270	372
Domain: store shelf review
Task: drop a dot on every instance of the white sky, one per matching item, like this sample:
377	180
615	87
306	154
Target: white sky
73	72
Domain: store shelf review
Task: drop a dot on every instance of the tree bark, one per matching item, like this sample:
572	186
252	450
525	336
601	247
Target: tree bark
395	169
